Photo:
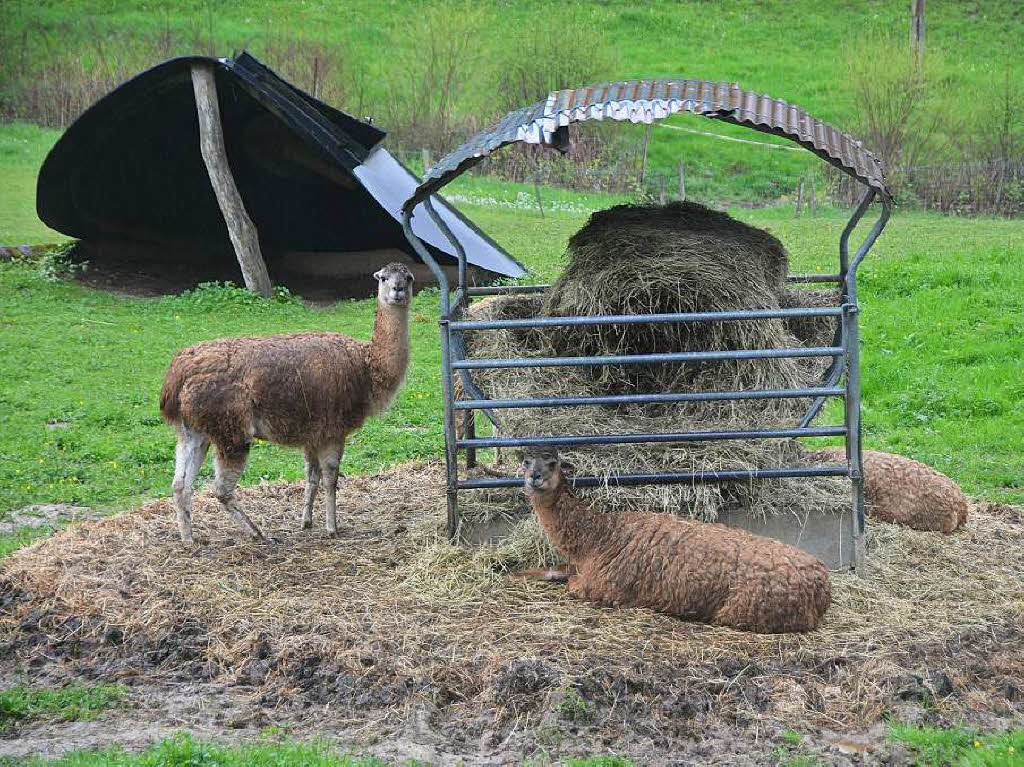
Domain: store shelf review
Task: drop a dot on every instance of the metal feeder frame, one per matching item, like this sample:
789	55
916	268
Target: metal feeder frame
643	101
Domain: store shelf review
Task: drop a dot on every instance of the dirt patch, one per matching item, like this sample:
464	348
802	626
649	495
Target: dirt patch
391	635
152	277
48	514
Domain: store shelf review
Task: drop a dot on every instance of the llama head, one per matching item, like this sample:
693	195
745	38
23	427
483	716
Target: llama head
542	469
395	288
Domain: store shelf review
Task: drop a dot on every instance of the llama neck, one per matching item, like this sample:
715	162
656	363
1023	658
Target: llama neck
388	353
568	524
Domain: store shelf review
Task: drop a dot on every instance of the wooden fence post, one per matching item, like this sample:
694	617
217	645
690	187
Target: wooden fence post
799	197
917	28
810	197
241	230
662	196
643	156
682	181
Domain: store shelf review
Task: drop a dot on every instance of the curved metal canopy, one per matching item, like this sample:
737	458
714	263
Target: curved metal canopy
644	101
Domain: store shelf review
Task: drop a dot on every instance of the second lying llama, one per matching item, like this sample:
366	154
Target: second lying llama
697	571
307	390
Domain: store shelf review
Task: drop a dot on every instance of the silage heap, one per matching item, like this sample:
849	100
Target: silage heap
643	259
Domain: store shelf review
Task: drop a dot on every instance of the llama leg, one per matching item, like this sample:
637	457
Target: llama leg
227	471
188	460
330	460
312	483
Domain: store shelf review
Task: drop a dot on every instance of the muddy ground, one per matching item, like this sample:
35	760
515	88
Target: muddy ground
234	713
390	642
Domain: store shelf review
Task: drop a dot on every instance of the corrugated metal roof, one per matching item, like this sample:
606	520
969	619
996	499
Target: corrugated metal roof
643	101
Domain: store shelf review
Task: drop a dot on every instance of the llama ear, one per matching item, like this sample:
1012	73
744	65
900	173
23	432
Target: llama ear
379	274
567	467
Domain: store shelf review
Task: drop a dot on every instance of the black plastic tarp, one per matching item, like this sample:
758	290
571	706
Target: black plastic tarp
312	177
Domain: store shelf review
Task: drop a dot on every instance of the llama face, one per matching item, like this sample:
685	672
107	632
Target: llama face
541	469
395	287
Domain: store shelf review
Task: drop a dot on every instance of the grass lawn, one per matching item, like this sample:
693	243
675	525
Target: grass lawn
943	372
943	340
22	148
71	703
373	59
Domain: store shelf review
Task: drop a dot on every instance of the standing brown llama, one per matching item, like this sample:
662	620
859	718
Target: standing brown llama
697	571
307	390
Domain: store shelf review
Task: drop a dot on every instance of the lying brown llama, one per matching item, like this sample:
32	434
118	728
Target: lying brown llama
697	571
306	390
907	492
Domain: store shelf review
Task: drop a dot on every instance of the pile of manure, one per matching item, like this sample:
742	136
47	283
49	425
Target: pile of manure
389	618
648	259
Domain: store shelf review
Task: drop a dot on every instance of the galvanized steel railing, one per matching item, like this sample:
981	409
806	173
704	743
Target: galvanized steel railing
845	367
646	101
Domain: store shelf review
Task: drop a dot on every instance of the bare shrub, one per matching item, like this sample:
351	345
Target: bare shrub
900	116
431	77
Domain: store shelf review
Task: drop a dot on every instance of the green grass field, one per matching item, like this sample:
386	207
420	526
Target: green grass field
943	359
373	57
71	703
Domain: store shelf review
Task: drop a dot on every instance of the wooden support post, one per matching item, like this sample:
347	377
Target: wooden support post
917	28
425	156
662	196
540	200
643	156
799	197
242	231
682	181
810	197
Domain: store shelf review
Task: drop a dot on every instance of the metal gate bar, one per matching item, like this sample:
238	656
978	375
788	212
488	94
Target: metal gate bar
631	439
642	319
646	399
668	478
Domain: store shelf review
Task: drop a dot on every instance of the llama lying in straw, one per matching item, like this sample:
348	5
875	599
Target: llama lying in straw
704	572
306	390
905	491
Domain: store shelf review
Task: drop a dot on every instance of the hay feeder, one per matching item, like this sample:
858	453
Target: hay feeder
644	101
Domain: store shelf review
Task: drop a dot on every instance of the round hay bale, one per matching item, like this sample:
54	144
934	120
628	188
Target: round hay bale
682	257
646	259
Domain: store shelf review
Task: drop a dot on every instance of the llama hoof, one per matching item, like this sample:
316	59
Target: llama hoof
333	534
307	524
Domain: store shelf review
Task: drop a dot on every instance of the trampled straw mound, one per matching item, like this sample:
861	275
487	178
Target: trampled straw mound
389	619
681	257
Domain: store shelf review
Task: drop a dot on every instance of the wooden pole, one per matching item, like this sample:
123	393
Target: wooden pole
242	231
643	156
540	200
682	181
810	197
917	27
799	197
663	196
